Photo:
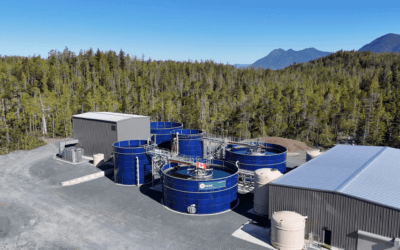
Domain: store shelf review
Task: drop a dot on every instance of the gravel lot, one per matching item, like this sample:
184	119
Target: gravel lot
37	213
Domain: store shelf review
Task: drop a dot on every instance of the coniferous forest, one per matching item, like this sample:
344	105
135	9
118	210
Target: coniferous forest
344	94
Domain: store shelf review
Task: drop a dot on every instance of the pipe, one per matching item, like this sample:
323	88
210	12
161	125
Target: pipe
177	143
245	144
148	141
237	164
152	171
137	171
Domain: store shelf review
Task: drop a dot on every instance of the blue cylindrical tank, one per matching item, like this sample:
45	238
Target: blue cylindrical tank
208	196
274	157
126	157
162	132
189	142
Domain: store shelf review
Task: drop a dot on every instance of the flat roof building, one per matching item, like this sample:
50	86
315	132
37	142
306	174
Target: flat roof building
351	195
97	131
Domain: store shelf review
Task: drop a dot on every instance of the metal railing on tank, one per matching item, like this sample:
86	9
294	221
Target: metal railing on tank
215	147
211	136
161	157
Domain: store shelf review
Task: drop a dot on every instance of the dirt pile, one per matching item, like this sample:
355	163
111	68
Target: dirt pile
291	145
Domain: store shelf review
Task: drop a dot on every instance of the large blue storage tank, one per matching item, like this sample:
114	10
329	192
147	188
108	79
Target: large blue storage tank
272	156
209	196
126	156
161	132
189	142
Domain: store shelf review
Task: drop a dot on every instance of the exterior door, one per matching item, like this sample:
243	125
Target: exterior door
327	236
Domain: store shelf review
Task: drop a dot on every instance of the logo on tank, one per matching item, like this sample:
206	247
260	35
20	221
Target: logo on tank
203	186
213	185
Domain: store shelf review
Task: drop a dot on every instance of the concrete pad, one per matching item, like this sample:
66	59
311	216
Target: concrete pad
255	234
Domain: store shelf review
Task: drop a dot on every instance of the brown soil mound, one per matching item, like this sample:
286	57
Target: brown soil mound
291	145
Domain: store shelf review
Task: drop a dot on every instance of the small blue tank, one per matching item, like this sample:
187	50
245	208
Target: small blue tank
189	142
127	154
161	132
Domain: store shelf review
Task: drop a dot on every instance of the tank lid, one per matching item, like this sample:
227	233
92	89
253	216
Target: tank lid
268	171
289	220
314	152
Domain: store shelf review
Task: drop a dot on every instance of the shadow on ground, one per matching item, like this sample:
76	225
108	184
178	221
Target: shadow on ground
258	231
147	190
245	209
106	166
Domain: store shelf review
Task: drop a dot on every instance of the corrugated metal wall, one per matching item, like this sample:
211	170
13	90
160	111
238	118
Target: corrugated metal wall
95	136
341	214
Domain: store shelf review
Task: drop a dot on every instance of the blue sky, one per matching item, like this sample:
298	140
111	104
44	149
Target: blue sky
224	31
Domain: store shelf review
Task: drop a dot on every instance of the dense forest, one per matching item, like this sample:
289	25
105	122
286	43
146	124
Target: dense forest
344	94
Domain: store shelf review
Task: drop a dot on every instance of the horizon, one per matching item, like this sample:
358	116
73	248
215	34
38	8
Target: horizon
230	32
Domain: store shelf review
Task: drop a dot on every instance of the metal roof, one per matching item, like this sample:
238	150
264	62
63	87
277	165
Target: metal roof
106	116
365	172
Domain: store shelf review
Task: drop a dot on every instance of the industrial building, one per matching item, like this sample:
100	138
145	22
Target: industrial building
350	195
97	131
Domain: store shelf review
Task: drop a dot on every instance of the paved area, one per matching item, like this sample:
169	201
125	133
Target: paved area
256	234
37	213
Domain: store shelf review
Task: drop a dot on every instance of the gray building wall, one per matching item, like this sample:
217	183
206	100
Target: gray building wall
134	128
95	136
343	215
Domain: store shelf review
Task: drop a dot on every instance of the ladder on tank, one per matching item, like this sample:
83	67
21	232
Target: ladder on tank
245	181
159	159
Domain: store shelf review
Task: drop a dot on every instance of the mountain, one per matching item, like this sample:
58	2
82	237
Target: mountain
387	43
242	65
279	58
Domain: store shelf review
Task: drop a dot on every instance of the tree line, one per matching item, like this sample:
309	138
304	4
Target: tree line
347	93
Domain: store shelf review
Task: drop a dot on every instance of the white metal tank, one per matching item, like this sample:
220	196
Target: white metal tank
98	158
312	154
263	176
288	230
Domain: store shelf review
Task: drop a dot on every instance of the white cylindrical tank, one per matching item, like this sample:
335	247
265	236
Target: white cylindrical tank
312	154
288	230
263	176
98	158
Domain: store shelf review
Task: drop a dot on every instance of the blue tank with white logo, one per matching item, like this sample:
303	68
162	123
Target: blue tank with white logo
214	194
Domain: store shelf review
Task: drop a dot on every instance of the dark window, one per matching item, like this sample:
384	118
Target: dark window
112	127
327	236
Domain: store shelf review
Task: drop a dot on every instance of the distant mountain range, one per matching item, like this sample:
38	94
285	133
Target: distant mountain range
242	65
279	58
387	43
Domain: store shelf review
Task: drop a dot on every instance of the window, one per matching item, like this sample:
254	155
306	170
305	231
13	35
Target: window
112	127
